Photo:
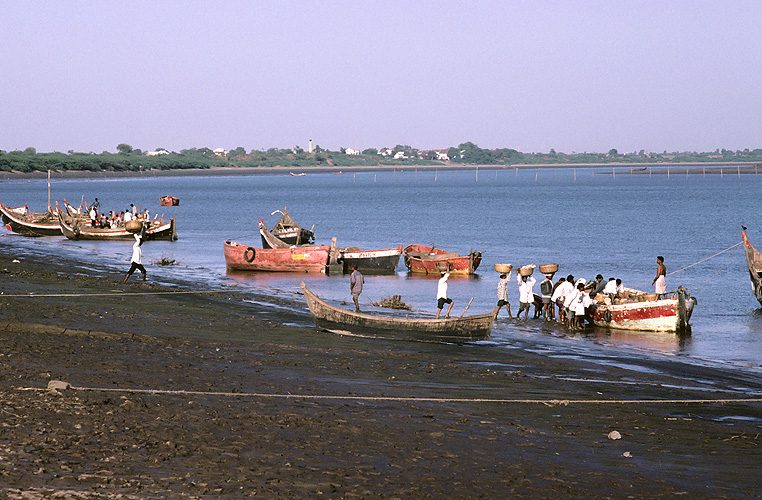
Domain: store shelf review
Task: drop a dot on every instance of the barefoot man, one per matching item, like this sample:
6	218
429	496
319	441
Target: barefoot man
442	295
660	281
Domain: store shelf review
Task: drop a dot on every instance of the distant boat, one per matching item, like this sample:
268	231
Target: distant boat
169	201
754	263
75	229
300	174
338	173
430	260
336	319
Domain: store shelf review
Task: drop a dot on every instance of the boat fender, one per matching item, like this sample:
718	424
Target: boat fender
607	316
246	255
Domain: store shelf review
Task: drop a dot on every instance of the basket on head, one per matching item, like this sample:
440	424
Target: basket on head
503	268
526	271
548	268
133	226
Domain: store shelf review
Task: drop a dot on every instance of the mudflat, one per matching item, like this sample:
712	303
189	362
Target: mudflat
168	394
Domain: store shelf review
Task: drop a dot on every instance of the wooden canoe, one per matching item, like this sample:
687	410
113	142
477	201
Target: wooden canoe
289	231
19	220
671	313
429	260
240	257
336	319
754	264
383	261
169	201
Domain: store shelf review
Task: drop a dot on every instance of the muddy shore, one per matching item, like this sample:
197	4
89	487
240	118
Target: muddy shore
207	395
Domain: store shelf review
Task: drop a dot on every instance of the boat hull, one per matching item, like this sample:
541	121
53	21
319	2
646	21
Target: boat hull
240	257
169	201
75	231
665	315
421	259
38	224
371	261
754	264
464	329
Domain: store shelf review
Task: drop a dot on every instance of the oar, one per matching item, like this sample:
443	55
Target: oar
467	306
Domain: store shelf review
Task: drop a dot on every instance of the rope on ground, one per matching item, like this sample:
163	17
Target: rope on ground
407	399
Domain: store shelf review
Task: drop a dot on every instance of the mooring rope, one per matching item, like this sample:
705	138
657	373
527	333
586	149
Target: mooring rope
407	399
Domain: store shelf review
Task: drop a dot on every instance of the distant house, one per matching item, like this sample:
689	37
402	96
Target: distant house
157	153
399	155
220	152
351	151
385	152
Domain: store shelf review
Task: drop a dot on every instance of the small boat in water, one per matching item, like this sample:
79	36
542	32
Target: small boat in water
336	319
169	201
290	232
754	263
20	220
429	260
300	174
240	257
668	312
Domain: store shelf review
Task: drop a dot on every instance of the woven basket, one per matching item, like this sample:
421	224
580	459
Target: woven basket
548	268
133	226
503	268
526	270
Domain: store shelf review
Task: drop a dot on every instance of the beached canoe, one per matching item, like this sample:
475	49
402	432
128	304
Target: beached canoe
670	312
336	319
429	260
240	257
75	229
21	221
754	264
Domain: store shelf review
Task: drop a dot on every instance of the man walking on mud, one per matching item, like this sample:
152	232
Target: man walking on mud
356	281
137	257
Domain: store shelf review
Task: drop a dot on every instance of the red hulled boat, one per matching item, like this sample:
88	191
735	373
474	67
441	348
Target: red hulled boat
429	260
240	257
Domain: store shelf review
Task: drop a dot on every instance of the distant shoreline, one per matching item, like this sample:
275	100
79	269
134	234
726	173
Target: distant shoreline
634	168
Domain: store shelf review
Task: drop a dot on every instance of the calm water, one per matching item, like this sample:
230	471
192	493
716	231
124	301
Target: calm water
586	220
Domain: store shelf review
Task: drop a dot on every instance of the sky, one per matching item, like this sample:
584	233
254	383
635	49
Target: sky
573	76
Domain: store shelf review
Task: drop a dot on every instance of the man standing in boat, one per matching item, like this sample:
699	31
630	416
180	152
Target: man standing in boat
660	281
356	281
442	294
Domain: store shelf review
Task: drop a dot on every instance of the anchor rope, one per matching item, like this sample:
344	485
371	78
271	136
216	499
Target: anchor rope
408	399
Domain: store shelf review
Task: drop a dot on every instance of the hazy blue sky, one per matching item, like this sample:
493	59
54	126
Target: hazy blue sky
534	75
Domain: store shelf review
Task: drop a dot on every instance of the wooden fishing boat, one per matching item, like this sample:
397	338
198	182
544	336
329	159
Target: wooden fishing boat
291	232
300	174
669	312
20	220
169	201
240	257
75	229
428	260
383	261
335	319
368	261
754	263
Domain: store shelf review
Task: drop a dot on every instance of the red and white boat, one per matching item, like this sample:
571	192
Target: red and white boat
169	201
20	220
429	260
240	257
669	312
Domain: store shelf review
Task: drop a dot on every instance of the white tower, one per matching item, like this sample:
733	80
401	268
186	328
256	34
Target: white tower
310	147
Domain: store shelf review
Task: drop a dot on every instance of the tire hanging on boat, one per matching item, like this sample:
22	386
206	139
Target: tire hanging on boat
607	316
246	255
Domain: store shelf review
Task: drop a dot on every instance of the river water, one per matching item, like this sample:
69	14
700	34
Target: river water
587	220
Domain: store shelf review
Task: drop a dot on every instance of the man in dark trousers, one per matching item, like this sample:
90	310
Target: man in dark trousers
137	257
356	281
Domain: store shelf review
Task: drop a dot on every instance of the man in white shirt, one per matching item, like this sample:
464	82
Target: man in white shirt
502	294
137	256
526	296
559	295
442	295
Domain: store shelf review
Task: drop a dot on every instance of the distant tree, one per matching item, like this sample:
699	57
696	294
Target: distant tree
370	151
30	151
298	149
613	152
124	149
239	151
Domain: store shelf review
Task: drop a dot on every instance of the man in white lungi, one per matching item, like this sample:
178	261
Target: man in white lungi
660	281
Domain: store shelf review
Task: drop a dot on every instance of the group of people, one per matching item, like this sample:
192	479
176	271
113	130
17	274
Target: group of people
116	218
